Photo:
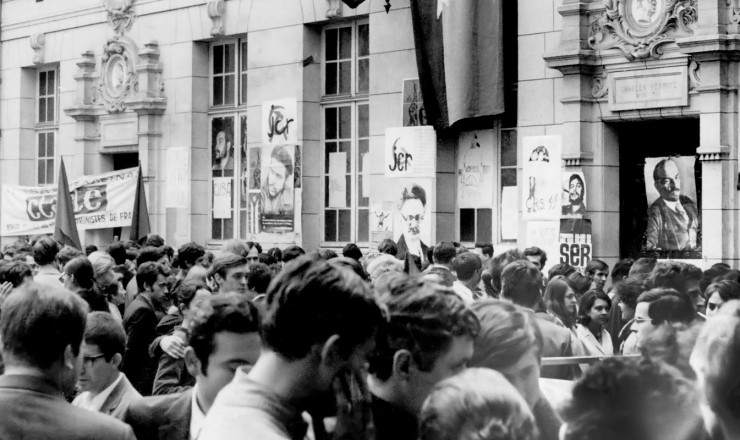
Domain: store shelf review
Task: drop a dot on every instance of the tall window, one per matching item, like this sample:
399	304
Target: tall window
346	134
508	201
46	124
227	136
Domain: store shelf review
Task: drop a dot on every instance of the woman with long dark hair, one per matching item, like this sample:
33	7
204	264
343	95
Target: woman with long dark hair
561	302
593	314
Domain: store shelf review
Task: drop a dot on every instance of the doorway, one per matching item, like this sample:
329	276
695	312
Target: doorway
643	145
122	161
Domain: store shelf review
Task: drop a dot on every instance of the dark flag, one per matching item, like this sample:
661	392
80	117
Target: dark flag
459	55
140	223
65	228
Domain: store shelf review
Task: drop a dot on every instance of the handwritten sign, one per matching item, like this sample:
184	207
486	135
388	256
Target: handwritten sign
410	152
541	171
280	122
222	197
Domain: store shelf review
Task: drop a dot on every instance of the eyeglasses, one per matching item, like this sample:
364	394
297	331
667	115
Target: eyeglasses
417	217
88	361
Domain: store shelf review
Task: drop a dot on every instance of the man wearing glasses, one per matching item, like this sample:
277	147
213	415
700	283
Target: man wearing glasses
413	209
104	388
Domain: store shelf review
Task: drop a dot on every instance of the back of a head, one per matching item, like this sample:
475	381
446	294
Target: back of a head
579	283
486	249
154	240
477	404
534	251
621	270
643	267
90	248
351	250
507	333
667	275
521	282
66	254
149	254
327	254
668	305
259	277
275	253
16	272
319	300
292	252
101	262
729	275
237	247
45	250
563	269
466	265
198	274
103	330
424	318
388	246
727	290
631	398
629	289
496	265
38	322
82	270
186	292
382	264
672	345
118	252
189	253
351	264
444	252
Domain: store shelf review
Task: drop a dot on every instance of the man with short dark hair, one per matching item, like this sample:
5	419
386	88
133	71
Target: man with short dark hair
224	336
521	283
352	251
140	322
229	274
388	246
428	338
659	306
42	328
259	278
292	252
536	256
468	269
277	189
486	250
576	205
145	255
497	264
300	370
45	252
103	387
597	271
443	254
188	256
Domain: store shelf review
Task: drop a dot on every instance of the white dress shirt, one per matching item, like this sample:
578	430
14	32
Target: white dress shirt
196	416
94	402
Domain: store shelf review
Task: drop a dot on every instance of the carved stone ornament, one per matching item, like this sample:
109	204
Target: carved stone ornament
333	8
733	15
118	78
216	11
640	28
694	75
38	43
599	86
120	14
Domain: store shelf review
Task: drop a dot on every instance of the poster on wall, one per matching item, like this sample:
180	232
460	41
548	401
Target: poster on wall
244	166
576	246
544	235
408	203
222	146
99	201
574	195
272	207
541	170
673	218
410	152
475	169
413	104
280	122
223	197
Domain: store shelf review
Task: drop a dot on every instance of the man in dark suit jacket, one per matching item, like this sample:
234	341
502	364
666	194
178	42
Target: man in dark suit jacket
140	323
42	328
521	283
224	334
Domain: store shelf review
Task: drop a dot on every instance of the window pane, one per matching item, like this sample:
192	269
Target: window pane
42	145
42	83
243	225
363	120
348	193
363	76
243	60
230	57
50	110
243	89
229	227
330	123
346	147
331	44
326	191
216	228
50	144
330	147
363	40
218	90
484	225
218	59
363	225
363	202
364	146
345	43
42	110
508	177
345	225
229	90
345	122
508	148
330	225
41	173
345	77
51	83
331	79
467	225
49	171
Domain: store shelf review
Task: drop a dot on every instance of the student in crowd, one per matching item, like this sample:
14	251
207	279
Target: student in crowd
429	337
561	302
103	387
229	274
188	256
659	306
442	255
353	251
299	371
291	253
511	342
628	290
468	268
579	283
593	314
719	293
45	251
382	264
43	328
597	272
147	254
105	279
140	322
388	246
478	403
259	278
486	251
79	277
536	256
224	337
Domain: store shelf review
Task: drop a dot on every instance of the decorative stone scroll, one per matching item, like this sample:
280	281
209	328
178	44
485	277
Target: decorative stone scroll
118	77
216	11
640	28
333	8
120	14
694	76
599	85
38	44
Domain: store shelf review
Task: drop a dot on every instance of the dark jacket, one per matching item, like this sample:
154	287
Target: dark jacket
140	323
32	408
556	343
172	376
403	250
161	417
392	423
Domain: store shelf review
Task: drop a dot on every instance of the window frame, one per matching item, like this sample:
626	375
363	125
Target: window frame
354	100
47	126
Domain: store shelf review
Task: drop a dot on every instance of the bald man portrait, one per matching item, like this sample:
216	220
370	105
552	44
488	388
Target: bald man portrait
673	219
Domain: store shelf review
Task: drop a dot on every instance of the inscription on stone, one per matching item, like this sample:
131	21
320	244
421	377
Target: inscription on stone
666	87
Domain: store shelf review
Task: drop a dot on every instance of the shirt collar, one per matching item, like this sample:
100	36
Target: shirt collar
196	415
96	402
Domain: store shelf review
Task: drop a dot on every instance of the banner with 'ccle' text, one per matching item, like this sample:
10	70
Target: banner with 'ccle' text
99	201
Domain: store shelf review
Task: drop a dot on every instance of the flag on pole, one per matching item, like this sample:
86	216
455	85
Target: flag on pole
459	55
140	223
65	228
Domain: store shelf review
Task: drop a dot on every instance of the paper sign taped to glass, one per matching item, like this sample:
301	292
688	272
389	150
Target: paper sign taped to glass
410	152
272	209
475	169
541	169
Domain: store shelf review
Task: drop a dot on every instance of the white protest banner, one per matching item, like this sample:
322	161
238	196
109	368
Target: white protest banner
280	122
410	152
542	170
100	201
222	197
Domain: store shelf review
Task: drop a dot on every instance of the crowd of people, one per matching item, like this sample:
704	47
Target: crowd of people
140	340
